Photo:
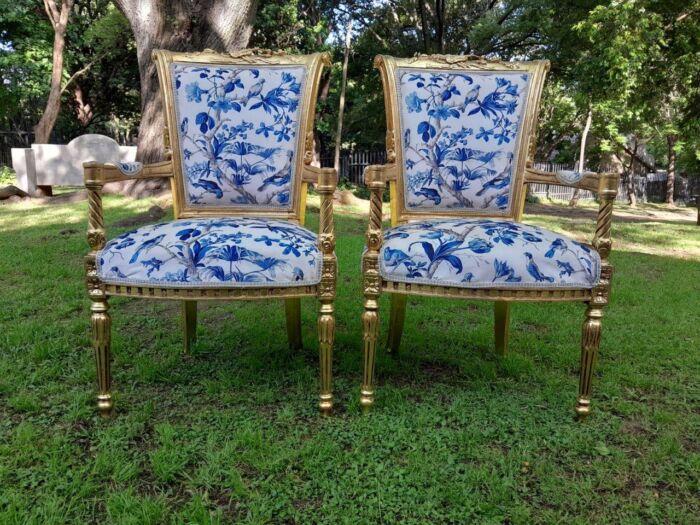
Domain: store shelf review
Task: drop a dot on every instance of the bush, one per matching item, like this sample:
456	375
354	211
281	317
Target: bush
7	176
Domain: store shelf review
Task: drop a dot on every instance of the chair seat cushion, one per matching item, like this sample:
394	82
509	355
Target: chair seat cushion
213	252
486	253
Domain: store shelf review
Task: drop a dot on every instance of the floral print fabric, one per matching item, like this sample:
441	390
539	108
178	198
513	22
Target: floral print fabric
228	252
460	135
486	253
238	128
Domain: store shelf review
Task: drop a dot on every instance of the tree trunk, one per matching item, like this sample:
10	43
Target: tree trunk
631	195
582	155
671	174
179	25
341	103
59	21
424	26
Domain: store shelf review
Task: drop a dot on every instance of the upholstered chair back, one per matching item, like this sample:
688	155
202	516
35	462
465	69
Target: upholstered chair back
238	128
460	130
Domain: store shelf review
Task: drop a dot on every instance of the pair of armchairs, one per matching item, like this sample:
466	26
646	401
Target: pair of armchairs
239	147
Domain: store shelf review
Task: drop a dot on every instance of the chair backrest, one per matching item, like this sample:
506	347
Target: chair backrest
240	128
460	129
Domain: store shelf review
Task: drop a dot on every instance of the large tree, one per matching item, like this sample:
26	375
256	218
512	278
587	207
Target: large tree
179	25
58	15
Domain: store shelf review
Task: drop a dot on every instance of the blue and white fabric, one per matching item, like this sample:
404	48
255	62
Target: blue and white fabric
460	136
486	253
238	133
569	176
213	252
128	168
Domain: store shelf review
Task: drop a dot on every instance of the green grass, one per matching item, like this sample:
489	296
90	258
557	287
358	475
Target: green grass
458	435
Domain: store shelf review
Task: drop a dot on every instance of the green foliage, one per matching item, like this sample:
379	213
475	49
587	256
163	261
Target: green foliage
7	175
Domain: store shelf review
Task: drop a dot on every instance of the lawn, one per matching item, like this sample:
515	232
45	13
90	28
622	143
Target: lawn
459	435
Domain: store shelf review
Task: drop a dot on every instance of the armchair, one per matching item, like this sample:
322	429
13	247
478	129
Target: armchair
241	127
461	132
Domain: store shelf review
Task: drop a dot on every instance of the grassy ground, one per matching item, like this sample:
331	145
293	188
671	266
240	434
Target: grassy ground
458	435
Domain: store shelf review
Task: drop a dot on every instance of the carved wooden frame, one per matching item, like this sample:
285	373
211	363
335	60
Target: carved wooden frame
97	175
378	176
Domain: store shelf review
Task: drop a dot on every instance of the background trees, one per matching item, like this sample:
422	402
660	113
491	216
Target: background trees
631	65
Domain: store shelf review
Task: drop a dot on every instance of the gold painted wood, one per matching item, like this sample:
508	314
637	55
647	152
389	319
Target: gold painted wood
376	177
189	324
292	308
97	175
397	316
501	314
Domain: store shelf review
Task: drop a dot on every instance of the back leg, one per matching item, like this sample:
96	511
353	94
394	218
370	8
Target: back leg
292	309
189	324
501	314
397	315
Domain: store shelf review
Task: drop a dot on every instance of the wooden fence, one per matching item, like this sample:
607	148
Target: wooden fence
13	139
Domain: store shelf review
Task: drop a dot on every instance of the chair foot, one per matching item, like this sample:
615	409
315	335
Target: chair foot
325	404
104	404
366	400
583	408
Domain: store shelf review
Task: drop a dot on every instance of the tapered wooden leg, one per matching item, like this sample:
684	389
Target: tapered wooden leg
370	331
189	324
590	342
101	324
396	320
501	314
292	309
326	336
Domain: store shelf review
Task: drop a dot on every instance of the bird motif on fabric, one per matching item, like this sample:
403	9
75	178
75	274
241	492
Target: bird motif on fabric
430	194
145	245
209	186
534	270
281	177
566	268
557	244
499	182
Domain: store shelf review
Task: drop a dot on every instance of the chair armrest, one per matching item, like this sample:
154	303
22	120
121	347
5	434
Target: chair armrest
314	174
586	180
605	185
96	173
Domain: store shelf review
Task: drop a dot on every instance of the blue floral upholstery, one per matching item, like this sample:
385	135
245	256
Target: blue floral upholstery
237	129
460	135
214	252
486	253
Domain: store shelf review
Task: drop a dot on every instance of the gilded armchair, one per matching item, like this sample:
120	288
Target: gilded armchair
460	136
241	129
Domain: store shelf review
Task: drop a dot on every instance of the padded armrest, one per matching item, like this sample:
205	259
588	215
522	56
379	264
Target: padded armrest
95	172
587	180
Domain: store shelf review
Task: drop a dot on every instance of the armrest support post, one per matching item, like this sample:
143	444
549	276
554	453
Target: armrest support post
327	183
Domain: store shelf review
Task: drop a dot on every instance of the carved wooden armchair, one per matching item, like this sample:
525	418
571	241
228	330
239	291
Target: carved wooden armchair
459	144
241	128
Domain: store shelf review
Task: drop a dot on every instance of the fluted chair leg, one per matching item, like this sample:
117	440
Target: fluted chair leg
292	308
501	313
189	324
397	315
101	325
590	342
370	331
326	336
